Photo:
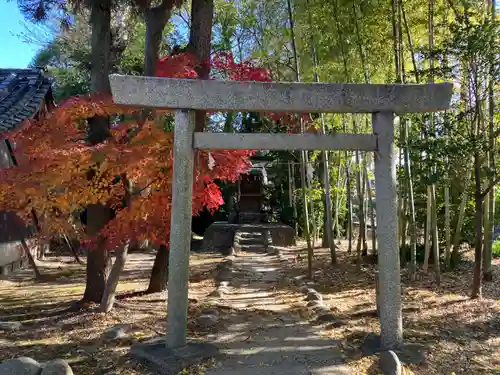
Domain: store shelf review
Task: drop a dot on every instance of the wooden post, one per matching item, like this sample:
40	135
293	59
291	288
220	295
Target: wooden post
180	232
389	280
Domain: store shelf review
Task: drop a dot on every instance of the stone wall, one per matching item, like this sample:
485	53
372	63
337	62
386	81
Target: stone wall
12	229
220	235
10	253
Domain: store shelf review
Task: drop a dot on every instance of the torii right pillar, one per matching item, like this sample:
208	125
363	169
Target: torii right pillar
389	280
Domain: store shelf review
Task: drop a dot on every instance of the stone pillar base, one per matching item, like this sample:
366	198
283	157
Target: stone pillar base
168	361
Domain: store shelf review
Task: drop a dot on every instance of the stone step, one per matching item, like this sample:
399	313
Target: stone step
250	234
251	241
253	248
277	366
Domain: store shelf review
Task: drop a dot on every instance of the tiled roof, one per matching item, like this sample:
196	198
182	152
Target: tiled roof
21	94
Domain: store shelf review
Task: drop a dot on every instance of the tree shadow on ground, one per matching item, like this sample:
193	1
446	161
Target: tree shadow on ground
85	356
451	343
448	325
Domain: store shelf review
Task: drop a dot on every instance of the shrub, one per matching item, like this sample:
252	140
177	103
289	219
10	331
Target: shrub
495	248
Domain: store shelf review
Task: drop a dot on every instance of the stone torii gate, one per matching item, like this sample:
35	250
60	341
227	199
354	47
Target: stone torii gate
187	96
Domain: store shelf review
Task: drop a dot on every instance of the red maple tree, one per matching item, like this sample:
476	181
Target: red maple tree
59	173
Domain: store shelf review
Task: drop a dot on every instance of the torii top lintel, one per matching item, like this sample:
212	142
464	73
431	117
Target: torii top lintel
213	95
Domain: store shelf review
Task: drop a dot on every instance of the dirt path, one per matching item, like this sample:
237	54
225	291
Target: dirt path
261	332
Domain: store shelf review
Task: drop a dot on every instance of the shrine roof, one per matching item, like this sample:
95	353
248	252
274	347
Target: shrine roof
22	92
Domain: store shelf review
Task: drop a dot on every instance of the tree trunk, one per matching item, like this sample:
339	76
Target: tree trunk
447	223
98	260
487	272
349	203
486	231
98	264
98	131
431	189
366	183
411	203
303	158
455	254
310	251
372	213
159	275
295	212
435	239
156	19
100	19
324	239
32	262
428	228
202	13
291	194
311	201
365	207
396	39
328	234
108	298
478	245
410	42
404	227
489	229
72	249
340	187
361	245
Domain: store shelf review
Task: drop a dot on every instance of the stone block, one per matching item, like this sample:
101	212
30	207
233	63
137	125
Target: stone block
219	236
217	293
389	363
171	361
57	367
408	353
313	295
313	304
20	366
282	235
10	326
116	332
207	320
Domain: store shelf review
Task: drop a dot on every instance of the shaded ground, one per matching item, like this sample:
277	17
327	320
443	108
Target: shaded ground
264	315
263	332
49	331
462	335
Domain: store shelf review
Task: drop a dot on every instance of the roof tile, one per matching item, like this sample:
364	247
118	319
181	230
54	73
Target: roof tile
21	94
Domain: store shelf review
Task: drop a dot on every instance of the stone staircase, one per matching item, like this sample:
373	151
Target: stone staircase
253	241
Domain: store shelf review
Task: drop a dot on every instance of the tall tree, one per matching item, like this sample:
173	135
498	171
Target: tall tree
303	156
487	270
98	215
156	18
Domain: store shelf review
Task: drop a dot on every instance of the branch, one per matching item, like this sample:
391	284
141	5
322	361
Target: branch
141	117
455	10
490	187
127	186
139	192
166	5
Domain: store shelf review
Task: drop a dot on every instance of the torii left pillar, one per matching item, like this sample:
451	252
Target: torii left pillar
173	354
180	232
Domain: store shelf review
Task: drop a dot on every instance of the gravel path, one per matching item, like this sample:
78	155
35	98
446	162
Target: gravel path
262	335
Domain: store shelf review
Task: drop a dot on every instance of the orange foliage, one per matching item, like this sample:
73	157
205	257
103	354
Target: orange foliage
59	173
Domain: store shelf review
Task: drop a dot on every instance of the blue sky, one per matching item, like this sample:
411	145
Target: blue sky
15	53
